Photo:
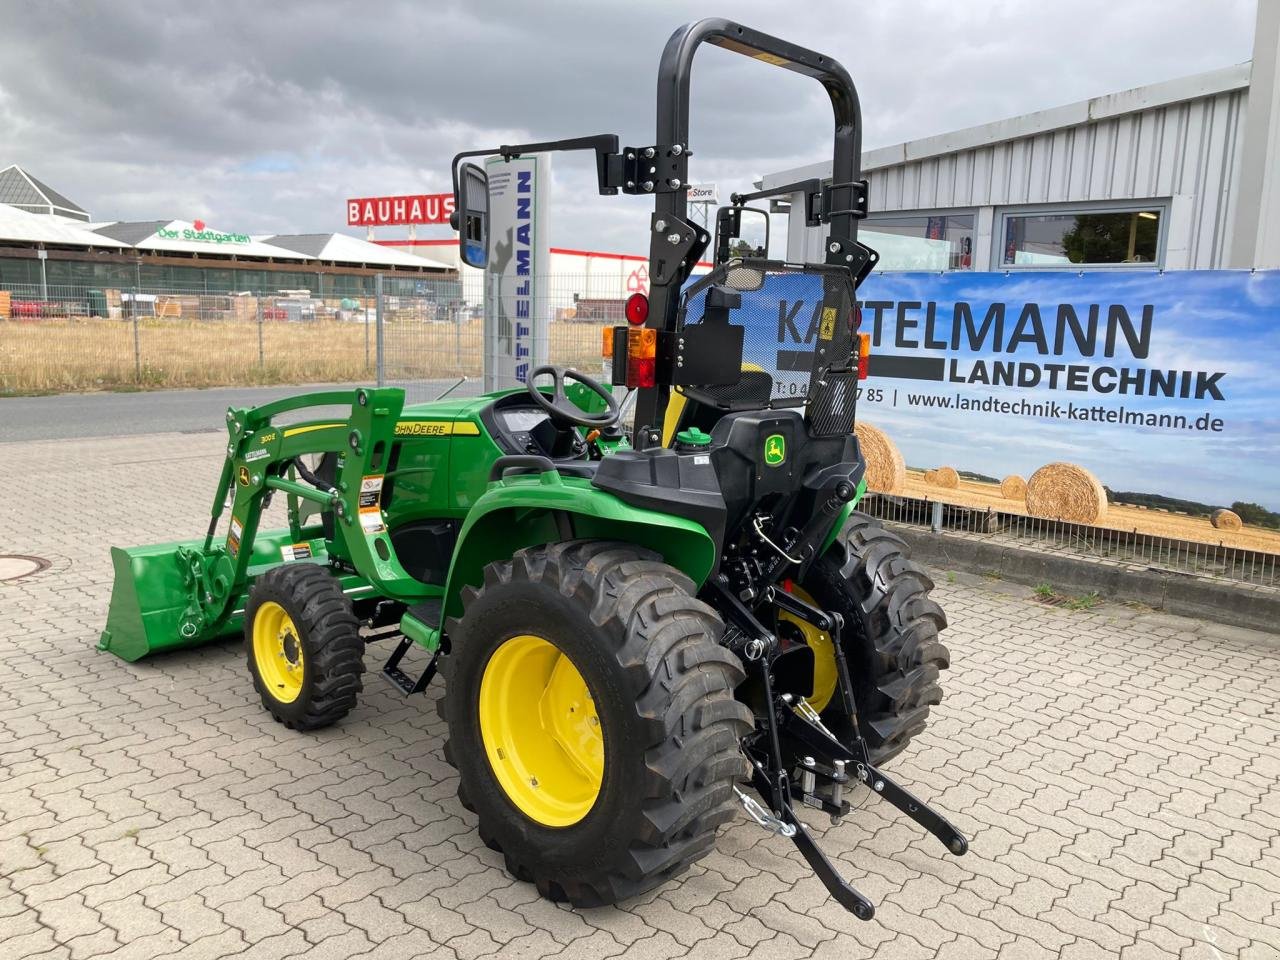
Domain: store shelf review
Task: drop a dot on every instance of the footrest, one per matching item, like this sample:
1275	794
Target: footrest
402	681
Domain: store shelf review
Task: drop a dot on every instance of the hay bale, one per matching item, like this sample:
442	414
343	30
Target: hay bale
1225	520
1013	487
886	470
930	476
946	477
1066	491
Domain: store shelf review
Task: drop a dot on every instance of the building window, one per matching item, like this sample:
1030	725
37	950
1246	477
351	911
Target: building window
1106	237
920	241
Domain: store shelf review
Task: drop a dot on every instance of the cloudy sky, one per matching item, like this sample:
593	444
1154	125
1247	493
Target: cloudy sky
262	117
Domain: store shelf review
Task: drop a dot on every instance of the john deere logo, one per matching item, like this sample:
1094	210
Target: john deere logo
775	450
243	476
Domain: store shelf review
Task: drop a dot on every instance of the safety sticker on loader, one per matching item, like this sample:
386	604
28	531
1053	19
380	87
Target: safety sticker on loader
371	504
234	533
295	551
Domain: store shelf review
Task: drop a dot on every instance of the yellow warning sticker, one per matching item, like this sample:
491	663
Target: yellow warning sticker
234	533
827	328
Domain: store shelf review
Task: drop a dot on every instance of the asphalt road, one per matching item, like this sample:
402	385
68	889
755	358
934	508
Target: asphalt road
78	415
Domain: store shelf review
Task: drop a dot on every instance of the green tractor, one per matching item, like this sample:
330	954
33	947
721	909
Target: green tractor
637	628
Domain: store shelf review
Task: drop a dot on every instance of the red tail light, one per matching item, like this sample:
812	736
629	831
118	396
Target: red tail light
637	309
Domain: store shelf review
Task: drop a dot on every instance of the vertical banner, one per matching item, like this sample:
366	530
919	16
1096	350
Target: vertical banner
516	304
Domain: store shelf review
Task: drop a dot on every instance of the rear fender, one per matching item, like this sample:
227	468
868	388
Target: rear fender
546	508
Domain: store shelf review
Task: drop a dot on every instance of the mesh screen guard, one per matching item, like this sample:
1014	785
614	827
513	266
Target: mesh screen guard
798	338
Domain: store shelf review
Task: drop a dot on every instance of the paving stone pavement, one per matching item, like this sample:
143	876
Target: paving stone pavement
1116	772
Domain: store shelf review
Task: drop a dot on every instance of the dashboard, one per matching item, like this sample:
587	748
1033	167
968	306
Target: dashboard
521	421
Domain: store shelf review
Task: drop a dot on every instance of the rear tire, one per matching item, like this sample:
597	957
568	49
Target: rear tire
660	686
890	635
303	645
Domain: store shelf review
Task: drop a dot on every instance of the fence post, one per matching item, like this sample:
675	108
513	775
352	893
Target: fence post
378	318
262	357
937	516
364	316
137	342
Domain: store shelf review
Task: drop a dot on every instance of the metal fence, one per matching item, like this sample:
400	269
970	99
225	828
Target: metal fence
1127	547
70	339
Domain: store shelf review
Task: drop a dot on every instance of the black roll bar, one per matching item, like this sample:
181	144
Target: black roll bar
844	204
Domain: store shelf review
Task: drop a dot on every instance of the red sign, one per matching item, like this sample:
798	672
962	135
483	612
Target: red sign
394	211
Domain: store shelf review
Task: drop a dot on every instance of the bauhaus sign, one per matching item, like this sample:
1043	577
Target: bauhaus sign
395	211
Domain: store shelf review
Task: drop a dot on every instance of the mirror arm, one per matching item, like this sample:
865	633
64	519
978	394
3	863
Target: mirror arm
605	146
811	188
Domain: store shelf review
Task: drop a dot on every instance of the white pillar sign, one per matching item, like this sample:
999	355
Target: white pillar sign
516	303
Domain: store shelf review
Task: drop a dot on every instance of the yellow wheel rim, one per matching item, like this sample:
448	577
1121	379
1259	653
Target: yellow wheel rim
277	651
541	731
824	654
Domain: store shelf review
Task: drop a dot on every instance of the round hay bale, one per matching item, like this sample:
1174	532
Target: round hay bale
1013	487
946	477
1066	491
930	476
1225	520
886	470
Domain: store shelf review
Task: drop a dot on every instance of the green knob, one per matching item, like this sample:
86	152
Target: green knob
694	437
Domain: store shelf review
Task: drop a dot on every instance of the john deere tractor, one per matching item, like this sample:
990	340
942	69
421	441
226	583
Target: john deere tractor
641	626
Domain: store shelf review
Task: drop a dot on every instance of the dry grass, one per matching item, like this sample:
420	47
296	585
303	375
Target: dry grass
985	496
1013	487
946	477
54	356
1066	491
1225	520
886	470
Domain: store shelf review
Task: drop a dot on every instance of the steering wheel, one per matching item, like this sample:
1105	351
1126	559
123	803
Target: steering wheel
561	408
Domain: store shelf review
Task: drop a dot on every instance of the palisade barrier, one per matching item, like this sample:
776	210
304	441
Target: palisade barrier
427	332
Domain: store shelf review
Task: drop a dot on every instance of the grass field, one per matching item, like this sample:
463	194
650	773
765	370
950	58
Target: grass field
68	356
1131	519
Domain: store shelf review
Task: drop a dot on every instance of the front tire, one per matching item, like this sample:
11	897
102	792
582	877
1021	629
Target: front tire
592	720
890	636
303	644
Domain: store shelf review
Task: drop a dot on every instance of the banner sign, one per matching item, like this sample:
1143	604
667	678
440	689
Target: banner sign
1159	383
704	193
516	306
398	211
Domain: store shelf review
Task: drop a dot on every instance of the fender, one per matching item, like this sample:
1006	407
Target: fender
529	509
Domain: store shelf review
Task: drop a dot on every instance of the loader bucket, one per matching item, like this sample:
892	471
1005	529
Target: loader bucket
150	600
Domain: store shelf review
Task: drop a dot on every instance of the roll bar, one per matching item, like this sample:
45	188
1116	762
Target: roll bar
844	202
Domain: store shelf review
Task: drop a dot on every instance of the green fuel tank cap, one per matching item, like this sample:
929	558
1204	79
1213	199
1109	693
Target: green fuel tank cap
693	437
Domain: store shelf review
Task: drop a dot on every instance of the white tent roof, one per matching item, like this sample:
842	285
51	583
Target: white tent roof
27	227
181	236
343	248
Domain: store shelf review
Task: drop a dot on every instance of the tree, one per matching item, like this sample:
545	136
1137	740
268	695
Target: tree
1256	514
1105	237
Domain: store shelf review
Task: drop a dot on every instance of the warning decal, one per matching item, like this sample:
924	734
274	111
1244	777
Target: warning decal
234	533
371	504
295	551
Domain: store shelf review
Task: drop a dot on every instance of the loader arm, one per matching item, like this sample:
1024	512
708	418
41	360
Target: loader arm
183	594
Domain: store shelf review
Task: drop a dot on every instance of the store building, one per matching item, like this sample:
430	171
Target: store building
47	241
1176	175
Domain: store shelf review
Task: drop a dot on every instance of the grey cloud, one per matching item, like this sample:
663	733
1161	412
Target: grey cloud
264	116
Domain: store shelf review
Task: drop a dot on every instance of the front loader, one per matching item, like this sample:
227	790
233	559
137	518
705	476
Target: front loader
641	629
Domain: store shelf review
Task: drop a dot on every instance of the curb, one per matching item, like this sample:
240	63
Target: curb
1220	601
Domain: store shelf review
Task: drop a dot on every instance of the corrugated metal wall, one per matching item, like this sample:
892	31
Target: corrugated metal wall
1186	149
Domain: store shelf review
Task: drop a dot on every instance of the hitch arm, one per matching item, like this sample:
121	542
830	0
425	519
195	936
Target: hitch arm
839	888
917	810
